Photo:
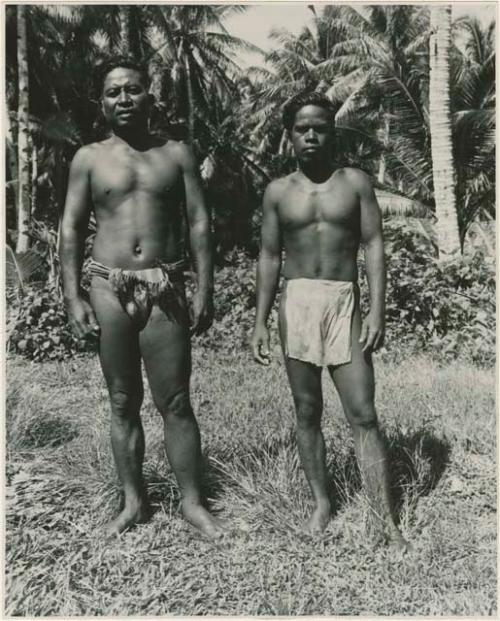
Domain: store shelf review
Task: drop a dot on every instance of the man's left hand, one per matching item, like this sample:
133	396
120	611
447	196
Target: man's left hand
202	312
372	333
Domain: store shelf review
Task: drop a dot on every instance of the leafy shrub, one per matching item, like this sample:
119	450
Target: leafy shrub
234	305
40	327
445	308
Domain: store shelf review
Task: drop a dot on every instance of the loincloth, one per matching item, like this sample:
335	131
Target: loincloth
317	318
139	290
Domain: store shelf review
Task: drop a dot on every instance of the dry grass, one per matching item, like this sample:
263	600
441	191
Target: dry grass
440	428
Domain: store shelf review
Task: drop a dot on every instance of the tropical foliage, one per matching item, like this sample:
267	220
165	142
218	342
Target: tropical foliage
373	62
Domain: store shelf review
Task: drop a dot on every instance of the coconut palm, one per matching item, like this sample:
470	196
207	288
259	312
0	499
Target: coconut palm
294	66
473	117
43	82
23	168
378	74
196	52
441	133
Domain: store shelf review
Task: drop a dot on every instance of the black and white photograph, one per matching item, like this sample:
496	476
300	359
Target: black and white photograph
250	309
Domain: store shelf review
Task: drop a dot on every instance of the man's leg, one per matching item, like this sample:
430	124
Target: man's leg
121	364
166	350
305	382
356	387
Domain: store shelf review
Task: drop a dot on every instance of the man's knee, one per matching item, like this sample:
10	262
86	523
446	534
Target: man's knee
309	409
361	414
126	402
174	404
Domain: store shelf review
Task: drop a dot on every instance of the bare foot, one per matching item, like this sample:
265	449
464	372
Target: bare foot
128	517
202	520
319	519
398	542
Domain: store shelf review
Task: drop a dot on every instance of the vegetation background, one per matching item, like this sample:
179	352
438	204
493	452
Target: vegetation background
390	70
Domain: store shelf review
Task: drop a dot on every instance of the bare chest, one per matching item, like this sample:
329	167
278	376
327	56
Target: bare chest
116	175
335	204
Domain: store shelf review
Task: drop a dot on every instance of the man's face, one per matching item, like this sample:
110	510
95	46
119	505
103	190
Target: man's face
312	134
125	100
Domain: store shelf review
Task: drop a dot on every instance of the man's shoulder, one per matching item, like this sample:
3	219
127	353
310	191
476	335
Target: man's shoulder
87	155
357	177
179	151
277	186
176	146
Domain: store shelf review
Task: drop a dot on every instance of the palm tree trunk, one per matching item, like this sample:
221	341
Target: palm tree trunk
382	164
136	47
125	38
440	125
156	87
23	186
282	149
34	177
189	88
11	153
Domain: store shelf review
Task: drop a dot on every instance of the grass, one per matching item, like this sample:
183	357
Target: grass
439	423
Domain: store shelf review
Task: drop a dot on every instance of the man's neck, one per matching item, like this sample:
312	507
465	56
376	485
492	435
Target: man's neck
317	172
139	139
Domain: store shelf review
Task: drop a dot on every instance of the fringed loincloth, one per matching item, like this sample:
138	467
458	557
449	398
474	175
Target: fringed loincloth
139	290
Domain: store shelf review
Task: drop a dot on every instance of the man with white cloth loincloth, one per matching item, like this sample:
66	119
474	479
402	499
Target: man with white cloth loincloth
319	216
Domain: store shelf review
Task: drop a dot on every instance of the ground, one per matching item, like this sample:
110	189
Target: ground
440	427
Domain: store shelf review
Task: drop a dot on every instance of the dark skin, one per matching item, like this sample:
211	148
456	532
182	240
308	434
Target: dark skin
320	216
136	183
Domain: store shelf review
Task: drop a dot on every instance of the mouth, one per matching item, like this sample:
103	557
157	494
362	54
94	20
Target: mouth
310	150
125	114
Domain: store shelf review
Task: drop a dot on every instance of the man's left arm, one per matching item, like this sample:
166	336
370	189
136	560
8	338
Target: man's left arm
201	241
373	328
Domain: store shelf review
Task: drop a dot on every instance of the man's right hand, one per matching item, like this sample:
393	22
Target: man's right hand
81	317
260	345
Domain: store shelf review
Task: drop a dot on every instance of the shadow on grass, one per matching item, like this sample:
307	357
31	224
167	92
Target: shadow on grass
416	464
42	433
162	488
242	458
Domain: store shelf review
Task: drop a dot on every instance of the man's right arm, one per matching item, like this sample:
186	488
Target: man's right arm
268	270
73	228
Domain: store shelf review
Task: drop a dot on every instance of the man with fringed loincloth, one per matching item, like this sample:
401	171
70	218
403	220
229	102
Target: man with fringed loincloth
136	184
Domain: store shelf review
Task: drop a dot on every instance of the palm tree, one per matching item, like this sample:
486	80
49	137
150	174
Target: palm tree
232	176
377	74
23	169
441	135
473	116
49	112
294	66
196	52
367	61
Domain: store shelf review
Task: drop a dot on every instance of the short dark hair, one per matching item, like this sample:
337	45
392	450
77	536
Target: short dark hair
122	62
311	98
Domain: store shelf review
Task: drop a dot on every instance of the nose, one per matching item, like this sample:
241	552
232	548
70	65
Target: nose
124	98
310	135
